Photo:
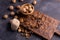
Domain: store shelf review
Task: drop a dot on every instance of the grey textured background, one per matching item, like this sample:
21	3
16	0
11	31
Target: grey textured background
49	7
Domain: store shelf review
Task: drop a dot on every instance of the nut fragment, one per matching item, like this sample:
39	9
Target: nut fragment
5	16
12	13
34	2
13	1
14	24
11	7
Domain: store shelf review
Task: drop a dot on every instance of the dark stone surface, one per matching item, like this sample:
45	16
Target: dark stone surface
49	7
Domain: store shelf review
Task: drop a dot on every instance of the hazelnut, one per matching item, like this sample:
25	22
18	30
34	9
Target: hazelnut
29	6
15	16
13	1
12	13
30	9
34	2
18	6
23	34
26	7
19	30
14	24
22	30
24	10
27	31
5	16
27	35
21	20
11	7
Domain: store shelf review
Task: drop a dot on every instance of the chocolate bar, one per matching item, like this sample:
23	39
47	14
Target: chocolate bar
41	24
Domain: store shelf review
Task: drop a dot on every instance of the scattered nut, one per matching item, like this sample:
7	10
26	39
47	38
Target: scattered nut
22	34
15	24
22	30
15	16
18	6
27	31
12	13
19	30
21	20
11	7
34	2
13	1
5	16
27	35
